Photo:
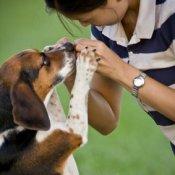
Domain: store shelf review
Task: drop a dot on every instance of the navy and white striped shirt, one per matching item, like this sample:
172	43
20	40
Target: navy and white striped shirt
150	49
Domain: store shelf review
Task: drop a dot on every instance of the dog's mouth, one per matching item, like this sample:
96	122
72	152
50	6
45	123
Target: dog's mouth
68	47
69	60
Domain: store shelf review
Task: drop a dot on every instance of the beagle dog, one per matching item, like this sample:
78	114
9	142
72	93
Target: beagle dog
33	140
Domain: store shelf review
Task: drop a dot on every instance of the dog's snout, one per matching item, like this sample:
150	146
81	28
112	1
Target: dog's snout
69	47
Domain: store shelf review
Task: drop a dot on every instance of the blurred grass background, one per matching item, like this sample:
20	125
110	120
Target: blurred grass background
136	147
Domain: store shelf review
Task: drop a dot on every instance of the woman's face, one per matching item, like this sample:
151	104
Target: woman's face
112	13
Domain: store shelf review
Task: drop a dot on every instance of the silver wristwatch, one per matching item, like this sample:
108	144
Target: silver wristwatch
138	82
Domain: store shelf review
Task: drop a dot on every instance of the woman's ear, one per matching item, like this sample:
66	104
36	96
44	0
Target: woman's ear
28	110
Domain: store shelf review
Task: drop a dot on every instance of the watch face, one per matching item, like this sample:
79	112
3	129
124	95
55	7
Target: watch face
139	81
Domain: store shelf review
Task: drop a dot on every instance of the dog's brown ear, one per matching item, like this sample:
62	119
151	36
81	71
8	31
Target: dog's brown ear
28	110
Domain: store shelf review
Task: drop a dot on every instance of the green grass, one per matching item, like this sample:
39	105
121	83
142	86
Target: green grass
136	147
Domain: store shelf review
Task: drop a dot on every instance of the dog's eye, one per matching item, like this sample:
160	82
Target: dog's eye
45	60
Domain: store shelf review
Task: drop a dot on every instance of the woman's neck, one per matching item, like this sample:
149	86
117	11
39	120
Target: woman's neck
130	19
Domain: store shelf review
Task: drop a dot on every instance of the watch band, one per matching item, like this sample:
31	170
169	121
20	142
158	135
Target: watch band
136	87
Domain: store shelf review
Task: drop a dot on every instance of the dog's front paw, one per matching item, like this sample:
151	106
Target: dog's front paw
86	65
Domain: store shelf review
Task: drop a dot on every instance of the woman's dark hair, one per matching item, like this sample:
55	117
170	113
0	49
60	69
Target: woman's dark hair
74	6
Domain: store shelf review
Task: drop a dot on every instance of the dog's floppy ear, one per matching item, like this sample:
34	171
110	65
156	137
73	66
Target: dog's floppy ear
28	110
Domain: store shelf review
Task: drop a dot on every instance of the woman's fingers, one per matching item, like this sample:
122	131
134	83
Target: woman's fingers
81	43
94	44
107	59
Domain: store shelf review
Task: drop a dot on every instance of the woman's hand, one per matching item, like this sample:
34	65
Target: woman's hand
105	94
108	60
153	93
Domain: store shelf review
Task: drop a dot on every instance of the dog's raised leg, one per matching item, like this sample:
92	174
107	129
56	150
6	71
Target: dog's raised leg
77	121
57	115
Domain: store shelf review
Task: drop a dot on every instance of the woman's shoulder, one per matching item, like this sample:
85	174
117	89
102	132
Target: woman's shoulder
165	9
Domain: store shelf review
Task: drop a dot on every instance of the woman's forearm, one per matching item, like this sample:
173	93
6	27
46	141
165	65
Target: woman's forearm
100	114
153	93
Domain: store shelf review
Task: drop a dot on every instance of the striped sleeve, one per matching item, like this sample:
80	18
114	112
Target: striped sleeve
168	31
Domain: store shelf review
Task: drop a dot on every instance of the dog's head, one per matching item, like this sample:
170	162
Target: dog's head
29	76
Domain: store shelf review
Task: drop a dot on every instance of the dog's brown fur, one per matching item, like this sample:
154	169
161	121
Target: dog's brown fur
25	80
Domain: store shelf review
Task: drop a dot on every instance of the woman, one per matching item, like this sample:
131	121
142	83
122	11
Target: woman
135	40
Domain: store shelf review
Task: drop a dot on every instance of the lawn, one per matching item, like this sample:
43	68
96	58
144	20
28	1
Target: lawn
136	147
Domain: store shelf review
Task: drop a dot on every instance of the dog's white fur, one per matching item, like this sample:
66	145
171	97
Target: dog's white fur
77	121
54	108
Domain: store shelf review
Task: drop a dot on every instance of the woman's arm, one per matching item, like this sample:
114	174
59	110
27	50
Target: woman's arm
103	103
153	93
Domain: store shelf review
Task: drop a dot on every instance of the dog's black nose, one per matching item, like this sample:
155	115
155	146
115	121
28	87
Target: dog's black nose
69	46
